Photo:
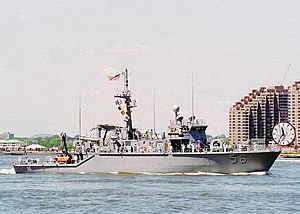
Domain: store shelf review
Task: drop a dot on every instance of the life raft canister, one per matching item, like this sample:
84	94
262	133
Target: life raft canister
61	159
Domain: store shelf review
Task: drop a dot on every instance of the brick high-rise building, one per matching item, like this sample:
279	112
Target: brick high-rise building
254	116
294	107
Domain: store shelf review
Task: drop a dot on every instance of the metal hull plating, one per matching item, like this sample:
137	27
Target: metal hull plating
211	162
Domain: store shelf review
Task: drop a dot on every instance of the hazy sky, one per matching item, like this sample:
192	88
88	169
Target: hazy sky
53	52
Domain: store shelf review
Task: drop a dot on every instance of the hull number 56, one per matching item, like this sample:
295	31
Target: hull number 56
237	158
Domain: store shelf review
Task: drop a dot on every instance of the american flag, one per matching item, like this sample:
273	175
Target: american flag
113	78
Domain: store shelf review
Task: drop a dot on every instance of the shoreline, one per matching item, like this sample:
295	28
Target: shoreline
287	155
28	153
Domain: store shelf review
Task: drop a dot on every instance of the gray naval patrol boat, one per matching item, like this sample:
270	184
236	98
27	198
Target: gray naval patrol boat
116	149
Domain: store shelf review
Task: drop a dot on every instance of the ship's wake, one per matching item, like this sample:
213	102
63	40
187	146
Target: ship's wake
194	174
250	173
8	171
294	160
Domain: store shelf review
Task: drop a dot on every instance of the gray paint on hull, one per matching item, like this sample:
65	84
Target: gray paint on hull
215	162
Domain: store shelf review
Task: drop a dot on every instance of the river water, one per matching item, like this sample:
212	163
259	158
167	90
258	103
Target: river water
275	192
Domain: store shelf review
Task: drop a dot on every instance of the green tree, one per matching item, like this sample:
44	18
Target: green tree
47	141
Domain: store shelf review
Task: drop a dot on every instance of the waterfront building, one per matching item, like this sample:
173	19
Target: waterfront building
12	145
255	115
294	107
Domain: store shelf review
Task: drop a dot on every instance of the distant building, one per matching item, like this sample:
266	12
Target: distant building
255	115
7	135
12	145
294	107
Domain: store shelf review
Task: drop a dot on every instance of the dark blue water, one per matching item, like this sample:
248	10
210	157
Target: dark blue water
278	192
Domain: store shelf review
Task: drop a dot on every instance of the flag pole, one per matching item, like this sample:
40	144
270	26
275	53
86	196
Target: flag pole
193	108
154	112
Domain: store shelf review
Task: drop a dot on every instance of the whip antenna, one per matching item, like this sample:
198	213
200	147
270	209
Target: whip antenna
287	70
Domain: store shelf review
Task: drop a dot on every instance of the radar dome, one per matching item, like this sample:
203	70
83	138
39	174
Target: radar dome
176	108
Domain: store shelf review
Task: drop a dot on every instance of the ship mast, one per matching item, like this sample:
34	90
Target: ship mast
126	94
193	104
154	112
79	118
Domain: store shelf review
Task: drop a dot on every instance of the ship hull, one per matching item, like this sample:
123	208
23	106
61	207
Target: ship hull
215	162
